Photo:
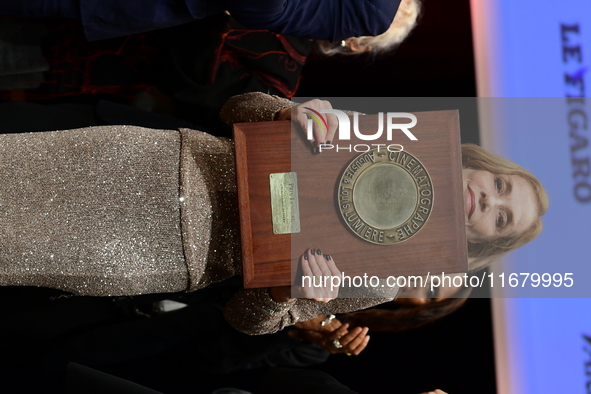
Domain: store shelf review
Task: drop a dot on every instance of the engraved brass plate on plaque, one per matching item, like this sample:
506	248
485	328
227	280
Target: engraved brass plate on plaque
285	210
385	197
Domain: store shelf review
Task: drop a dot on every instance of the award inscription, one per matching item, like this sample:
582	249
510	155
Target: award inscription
285	209
385	197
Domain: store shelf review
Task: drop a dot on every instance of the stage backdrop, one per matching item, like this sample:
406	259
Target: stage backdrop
533	57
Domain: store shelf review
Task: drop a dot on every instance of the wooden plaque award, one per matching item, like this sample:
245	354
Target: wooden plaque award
377	210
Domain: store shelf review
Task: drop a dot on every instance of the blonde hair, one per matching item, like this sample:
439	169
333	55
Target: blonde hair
404	21
473	156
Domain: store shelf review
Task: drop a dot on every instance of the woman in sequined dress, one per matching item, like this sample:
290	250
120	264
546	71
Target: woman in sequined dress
122	210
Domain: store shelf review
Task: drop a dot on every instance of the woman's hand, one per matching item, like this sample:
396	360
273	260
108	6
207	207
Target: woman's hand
317	273
339	340
324	126
317	284
321	323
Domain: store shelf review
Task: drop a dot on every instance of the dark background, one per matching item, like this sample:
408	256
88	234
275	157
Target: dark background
436	60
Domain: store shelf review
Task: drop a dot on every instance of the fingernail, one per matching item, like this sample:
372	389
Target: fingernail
328	142
305	256
312	251
319	252
328	258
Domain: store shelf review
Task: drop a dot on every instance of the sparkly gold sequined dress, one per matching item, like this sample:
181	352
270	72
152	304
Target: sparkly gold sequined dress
123	210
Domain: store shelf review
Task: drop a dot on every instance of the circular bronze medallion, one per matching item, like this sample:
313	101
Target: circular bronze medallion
385	197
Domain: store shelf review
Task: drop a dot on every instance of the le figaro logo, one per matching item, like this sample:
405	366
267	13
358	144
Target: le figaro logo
577	107
587	350
344	129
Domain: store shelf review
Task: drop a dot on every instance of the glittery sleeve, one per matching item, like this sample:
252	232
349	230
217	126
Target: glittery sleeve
252	107
257	107
252	311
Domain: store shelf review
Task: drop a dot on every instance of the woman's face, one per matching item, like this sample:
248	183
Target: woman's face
497	205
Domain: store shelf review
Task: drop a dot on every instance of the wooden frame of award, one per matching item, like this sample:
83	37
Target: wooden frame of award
376	209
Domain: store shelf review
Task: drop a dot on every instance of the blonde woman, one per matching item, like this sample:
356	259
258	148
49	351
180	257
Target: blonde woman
121	210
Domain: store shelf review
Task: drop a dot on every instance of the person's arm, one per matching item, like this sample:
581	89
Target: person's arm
261	107
254	312
261	311
253	107
319	19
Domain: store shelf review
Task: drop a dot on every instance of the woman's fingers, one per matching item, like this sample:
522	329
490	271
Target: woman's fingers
348	337
298	115
305	263
310	267
317	291
334	271
324	125
313	263
311	110
321	263
334	325
350	342
361	346
339	332
317	281
310	288
354	338
359	343
329	121
333	125
324	263
333	340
